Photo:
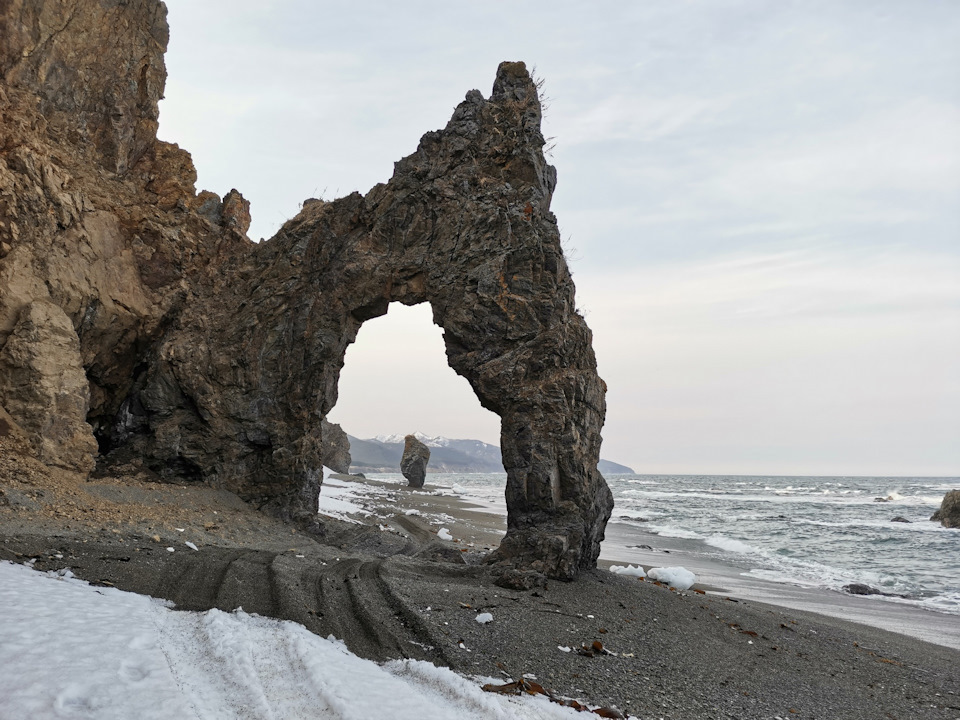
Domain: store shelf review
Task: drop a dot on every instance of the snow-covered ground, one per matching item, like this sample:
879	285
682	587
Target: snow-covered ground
72	650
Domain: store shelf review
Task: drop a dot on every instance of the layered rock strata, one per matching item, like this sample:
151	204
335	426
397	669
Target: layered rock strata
413	464
216	360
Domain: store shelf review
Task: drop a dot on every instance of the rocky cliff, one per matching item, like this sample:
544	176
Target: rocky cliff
103	238
138	322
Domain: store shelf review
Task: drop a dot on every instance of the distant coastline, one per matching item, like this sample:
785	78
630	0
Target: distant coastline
381	454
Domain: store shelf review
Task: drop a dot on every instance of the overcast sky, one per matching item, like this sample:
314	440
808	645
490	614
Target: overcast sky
761	201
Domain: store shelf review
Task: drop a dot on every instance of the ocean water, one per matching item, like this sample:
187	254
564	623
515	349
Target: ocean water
813	531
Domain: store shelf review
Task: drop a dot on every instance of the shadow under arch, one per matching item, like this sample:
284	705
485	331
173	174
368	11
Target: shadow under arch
464	225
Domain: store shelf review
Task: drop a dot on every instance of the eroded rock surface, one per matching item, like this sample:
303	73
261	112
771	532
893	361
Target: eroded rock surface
97	217
413	464
44	386
948	513
336	447
216	360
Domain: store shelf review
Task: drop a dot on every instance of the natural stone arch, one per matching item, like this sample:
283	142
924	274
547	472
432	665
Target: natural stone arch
238	389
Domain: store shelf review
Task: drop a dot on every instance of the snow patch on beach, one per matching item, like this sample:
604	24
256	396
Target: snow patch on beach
73	650
341	499
678	577
628	570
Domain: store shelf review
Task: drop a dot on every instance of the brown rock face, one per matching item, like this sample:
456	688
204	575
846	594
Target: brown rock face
413	464
948	514
216	359
95	68
44	386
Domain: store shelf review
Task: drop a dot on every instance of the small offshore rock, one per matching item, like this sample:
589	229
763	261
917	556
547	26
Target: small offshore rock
413	464
900	519
861	589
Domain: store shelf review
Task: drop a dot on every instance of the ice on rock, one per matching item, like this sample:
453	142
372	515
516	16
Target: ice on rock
678	577
484	618
628	570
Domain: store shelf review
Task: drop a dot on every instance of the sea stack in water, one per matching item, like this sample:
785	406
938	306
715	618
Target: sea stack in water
210	358
413	464
949	513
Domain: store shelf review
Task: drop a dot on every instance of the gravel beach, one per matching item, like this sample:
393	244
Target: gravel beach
390	588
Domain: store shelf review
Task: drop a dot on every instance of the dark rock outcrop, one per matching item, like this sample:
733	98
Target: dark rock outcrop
336	447
948	514
413	464
216	360
861	589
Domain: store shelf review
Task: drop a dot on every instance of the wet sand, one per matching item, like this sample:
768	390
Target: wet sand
390	588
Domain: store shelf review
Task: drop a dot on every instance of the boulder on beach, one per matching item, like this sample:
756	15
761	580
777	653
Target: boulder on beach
949	513
413	464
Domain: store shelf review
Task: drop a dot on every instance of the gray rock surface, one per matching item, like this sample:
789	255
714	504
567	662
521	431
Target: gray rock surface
949	513
413	464
336	447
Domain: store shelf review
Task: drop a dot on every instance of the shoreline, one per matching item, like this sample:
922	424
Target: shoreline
483	523
731	579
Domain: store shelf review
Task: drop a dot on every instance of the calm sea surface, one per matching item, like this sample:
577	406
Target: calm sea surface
815	531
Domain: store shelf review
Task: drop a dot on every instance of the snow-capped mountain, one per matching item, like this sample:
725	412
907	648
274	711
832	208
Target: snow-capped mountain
425	439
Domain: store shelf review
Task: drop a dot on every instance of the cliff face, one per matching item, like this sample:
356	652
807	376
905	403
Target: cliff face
216	360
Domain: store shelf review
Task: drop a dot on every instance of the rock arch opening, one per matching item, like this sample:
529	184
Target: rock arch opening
396	380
